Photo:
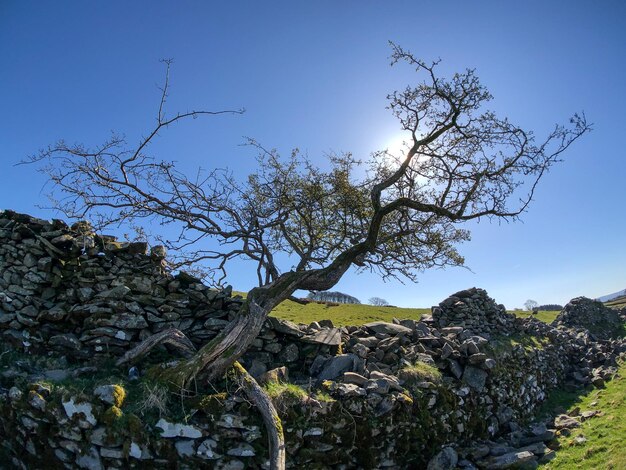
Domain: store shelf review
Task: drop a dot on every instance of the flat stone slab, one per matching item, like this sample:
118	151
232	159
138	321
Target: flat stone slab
327	336
388	328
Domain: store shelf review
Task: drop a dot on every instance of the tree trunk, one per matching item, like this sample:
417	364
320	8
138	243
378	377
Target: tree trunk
272	421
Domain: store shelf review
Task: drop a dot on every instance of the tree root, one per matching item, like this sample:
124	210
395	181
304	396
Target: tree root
252	389
172	337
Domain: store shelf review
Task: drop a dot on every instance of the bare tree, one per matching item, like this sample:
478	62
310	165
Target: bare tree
530	305
378	302
461	163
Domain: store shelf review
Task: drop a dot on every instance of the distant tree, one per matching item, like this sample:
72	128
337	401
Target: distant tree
404	215
550	307
378	302
531	305
337	297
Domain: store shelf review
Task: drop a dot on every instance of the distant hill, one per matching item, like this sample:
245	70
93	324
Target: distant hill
606	298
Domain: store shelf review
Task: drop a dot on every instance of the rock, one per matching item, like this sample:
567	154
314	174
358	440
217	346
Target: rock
444	460
90	460
56	375
206	450
290	353
178	430
354	378
109	453
350	390
387	328
280	374
509	460
337	365
117	293
15	394
475	378
455	368
110	394
36	401
184	447
84	411
328	336
313	432
66	341
566	422
284	326
242	450
477	359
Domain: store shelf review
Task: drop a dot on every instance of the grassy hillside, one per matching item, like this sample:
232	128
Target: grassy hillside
351	314
343	314
602	445
546	316
619	302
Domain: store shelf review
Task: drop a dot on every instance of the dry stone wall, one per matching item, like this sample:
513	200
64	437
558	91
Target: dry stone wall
382	395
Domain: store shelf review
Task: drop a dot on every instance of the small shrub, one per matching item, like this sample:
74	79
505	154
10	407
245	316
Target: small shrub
285	395
419	372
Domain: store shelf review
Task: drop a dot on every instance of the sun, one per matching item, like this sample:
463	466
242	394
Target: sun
396	148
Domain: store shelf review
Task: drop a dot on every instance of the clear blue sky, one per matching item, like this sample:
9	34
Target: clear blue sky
314	75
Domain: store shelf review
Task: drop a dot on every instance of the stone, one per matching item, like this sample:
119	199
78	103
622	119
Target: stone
15	394
477	359
446	459
90	460
509	460
109	453
475	378
36	401
170	430
56	375
285	327
117	293
206	450
354	378
83	410
184	447
110	394
313	432
566	422
387	328
337	365
274	348
350	390
280	374
67	341
242	450
290	353
328	336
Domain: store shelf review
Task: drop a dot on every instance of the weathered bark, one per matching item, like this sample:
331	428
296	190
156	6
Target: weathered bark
272	421
172	337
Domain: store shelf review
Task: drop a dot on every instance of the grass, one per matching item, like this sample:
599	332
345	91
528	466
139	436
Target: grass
546	316
343	314
619	302
420	371
605	434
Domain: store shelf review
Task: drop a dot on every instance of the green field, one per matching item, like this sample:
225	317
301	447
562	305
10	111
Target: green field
619	302
358	314
546	316
343	314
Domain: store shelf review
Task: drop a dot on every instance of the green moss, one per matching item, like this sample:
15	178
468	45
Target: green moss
119	395
111	416
419	372
210	404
